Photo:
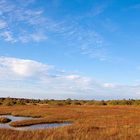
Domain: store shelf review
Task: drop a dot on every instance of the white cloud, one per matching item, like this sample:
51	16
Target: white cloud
73	77
109	85
21	76
21	68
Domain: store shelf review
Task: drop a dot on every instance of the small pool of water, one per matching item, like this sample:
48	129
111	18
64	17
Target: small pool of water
35	126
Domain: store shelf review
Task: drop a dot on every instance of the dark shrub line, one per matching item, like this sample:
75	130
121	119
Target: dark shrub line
22	101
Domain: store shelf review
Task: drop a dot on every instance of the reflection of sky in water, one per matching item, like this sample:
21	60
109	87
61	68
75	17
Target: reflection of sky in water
36	126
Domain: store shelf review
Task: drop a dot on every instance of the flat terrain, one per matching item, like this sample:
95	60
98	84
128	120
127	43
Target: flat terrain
89	122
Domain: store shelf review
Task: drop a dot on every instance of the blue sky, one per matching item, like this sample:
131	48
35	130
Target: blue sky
83	49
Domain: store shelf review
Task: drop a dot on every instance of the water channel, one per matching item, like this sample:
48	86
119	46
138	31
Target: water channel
35	126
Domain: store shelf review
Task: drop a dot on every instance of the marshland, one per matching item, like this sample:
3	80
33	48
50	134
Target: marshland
88	120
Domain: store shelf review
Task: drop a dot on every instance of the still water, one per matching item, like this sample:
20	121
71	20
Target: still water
36	126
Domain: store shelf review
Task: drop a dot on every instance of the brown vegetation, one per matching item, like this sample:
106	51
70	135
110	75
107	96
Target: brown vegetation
90	122
4	120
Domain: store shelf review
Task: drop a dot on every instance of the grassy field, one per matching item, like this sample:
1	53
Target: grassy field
89	122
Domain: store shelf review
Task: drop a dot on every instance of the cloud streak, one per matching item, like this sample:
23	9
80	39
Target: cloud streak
16	20
84	41
22	23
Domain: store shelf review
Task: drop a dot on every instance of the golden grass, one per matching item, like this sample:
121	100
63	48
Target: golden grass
89	122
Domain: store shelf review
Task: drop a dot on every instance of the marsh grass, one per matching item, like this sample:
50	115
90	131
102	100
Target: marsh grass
89	122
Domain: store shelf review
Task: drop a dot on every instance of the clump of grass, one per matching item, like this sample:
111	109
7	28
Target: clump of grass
35	121
4	120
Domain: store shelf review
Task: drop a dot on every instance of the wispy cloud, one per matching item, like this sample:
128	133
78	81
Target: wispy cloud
96	10
84	41
37	37
110	25
8	36
16	20
3	24
19	23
